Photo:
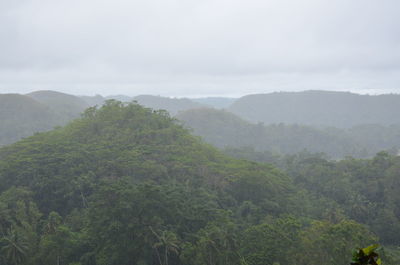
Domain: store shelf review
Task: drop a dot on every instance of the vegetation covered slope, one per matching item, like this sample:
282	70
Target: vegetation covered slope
366	189
319	108
226	130
22	116
127	185
65	106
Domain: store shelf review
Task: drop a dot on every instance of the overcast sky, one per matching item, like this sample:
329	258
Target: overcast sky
199	47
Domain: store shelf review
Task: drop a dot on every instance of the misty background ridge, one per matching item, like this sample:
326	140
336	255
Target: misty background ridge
338	124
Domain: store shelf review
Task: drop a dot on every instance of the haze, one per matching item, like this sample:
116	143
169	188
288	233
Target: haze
199	48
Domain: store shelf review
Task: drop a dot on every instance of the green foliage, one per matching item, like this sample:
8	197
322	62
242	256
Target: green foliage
266	143
24	115
326	243
270	243
366	256
126	185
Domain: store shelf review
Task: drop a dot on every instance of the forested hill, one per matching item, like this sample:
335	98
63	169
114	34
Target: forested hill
224	129
319	108
22	116
126	185
66	106
172	105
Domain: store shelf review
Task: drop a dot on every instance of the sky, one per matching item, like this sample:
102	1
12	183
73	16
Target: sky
199	48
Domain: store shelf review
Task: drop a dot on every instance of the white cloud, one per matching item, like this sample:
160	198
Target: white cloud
177	47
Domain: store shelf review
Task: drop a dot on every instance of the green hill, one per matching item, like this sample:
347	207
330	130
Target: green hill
319	108
168	176
65	106
127	185
22	116
117	141
224	129
217	127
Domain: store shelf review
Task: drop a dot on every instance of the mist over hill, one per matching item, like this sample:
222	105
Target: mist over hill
66	106
21	116
172	105
137	167
319	108
224	129
24	115
124	178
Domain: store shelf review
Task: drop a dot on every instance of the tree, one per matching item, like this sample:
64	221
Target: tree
168	241
15	247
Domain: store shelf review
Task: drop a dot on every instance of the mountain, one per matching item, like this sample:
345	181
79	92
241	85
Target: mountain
224	129
127	185
218	127
319	108
117	178
215	102
66	106
172	105
116	141
21	116
24	115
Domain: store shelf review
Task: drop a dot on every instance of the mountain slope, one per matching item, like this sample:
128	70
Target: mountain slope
113	142
24	115
319	108
66	106
224	129
123	183
21	116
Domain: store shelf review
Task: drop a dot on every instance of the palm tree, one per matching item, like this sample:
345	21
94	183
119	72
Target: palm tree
15	247
53	221
169	241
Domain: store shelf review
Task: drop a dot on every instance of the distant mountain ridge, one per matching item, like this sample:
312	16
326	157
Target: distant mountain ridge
319	108
368	117
172	105
65	106
224	129
24	115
